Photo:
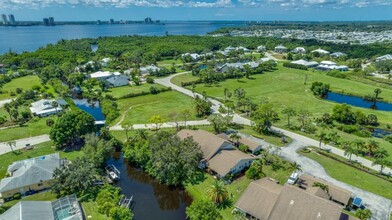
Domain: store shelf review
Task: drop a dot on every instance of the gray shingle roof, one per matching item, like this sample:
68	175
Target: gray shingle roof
30	171
29	210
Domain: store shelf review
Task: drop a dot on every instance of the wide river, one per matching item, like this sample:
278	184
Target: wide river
30	38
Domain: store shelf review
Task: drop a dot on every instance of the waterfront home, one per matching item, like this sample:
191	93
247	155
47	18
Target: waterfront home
30	175
320	51
308	64
265	199
299	50
385	57
219	155
66	208
44	107
280	49
101	75
253	147
117	81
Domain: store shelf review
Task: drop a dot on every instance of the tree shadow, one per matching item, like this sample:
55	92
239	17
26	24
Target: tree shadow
17	153
241	81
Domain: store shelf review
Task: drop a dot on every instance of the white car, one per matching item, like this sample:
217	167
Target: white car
293	178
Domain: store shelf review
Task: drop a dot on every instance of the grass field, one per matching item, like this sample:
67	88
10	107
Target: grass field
35	127
163	104
187	77
25	82
124	90
352	176
285	87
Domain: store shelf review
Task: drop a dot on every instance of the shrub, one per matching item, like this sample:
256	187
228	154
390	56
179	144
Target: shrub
389	138
150	80
295	66
244	148
17	196
337	74
348	128
18	90
320	89
363	133
154	90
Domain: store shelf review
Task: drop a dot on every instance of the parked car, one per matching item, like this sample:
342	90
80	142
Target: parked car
293	178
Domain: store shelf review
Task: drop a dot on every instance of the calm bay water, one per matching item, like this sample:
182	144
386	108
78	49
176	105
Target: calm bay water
30	38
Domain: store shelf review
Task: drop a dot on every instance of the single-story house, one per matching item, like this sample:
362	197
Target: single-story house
308	64
225	67
229	49
280	49
105	61
338	54
266	59
266	200
28	175
261	48
335	193
43	107
329	65
253	146
116	81
101	75
219	155
194	56
242	48
66	208
385	57
147	69
321	51
299	50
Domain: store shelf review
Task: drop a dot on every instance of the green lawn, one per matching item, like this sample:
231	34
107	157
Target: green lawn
163	104
91	211
187	77
25	82
167	63
353	176
37	126
124	90
39	150
285	87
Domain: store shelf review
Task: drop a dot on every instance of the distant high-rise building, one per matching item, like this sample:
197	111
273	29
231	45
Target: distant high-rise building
111	21
51	21
4	19
46	21
11	19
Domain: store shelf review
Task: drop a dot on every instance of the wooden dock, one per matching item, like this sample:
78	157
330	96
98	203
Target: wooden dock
125	202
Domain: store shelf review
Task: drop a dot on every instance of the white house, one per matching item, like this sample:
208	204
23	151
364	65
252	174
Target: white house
308	64
338	54
105	61
194	56
147	69
329	65
385	57
261	48
44	107
118	80
299	50
280	49
320	51
101	75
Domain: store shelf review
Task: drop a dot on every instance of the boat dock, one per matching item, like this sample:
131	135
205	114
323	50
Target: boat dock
113	174
125	202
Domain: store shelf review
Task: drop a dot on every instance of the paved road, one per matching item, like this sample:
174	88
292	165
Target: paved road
380	206
3	102
21	143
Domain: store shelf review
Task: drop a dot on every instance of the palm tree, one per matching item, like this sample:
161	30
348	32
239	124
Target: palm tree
364	214
295	166
218	193
359	144
372	146
15	114
377	92
140	134
127	128
382	162
54	104
381	154
235	138
322	186
349	150
225	92
7	107
11	144
322	135
289	112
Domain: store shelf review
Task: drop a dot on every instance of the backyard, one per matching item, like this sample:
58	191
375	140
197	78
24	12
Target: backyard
124	90
25	82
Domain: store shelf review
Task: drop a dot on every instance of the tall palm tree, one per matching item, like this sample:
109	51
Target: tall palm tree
322	186
382	162
381	154
289	112
8	107
359	145
225	92
218	193
377	92
349	150
235	138
54	104
373	146
140	134
11	144
127	128
295	166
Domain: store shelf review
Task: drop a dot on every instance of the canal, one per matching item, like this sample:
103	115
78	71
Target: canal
152	200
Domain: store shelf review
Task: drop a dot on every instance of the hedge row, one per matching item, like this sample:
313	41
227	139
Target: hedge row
356	166
295	66
132	95
198	81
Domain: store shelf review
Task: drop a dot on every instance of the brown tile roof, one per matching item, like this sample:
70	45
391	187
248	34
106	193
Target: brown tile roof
251	144
296	204
225	160
209	143
259	198
338	194
224	136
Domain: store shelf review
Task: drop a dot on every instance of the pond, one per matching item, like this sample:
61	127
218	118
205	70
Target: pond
380	133
92	108
151	199
358	101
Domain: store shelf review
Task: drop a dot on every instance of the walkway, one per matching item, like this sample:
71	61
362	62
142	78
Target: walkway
21	143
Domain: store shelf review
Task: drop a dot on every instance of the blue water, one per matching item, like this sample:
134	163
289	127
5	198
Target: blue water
358	102
93	110
30	38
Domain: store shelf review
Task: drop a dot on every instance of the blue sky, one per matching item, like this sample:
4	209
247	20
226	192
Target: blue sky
298	10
